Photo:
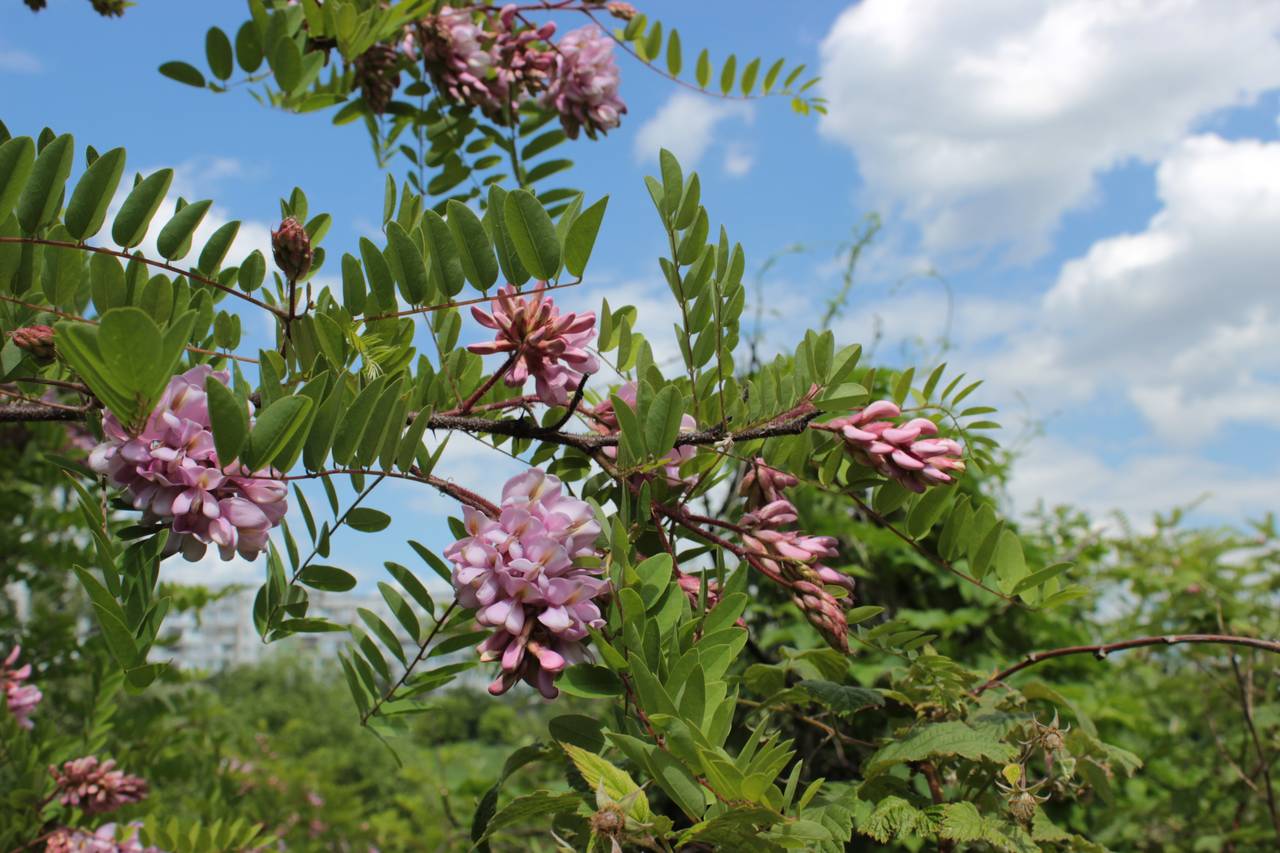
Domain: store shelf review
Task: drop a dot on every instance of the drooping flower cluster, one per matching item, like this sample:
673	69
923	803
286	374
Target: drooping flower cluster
584	89
789	557
21	698
101	840
174	476
542	343
604	420
910	453
95	786
496	62
521	574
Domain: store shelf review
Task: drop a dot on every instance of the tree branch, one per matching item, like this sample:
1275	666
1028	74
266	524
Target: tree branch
1101	650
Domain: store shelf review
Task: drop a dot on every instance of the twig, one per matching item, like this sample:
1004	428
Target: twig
1101	650
408	670
426	309
63	244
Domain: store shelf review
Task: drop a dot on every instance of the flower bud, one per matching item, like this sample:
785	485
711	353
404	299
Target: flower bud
620	10
37	340
291	246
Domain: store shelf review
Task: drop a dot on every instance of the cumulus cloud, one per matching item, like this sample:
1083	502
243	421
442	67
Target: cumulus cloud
738	160
982	122
685	125
1181	318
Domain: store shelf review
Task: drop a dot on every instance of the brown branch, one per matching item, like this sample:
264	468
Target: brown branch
427	309
414	474
1101	650
490	382
43	412
77	318
64	244
830	731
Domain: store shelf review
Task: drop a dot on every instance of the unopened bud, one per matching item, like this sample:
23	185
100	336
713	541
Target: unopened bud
37	340
291	246
623	11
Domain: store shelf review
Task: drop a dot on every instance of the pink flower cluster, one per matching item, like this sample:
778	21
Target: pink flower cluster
543	343
96	787
605	421
174	476
495	62
909	453
789	557
520	573
584	89
101	840
22	699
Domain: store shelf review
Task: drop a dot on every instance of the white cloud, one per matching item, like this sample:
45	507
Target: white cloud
738	160
1181	318
212	571
984	121
685	125
19	62
1062	473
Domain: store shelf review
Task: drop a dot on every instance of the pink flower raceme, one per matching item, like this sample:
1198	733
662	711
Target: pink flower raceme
762	484
791	559
584	88
96	787
605	421
454	51
518	572
101	840
22	699
549	346
909	453
174	476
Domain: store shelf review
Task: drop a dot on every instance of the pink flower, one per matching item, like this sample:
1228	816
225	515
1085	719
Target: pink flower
519	573
549	346
605	422
584	87
101	840
909	453
453	49
22	699
96	787
763	484
173	474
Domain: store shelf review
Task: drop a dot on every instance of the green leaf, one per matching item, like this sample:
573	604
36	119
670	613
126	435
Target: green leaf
409	267
228	418
273	430
1011	565
327	578
949	738
446	266
215	251
249	47
16	158
579	730
522	810
532	233
38	203
617	783
367	520
749	73
727	74
1040	577
474	251
590	681
130	225
703	70
842	698
496	221
183	72
217	49
581	238
675	60
662	420
174	240
410	583
927	511
672	181
87	209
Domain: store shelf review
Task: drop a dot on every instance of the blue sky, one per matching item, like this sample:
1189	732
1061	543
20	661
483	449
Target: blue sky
1098	183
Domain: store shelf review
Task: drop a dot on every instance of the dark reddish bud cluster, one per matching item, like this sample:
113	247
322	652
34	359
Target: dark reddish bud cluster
291	246
37	340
